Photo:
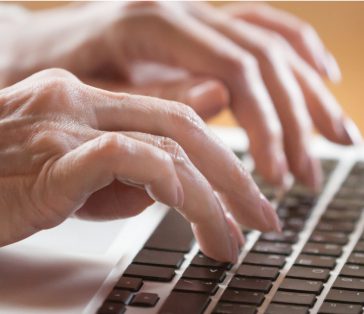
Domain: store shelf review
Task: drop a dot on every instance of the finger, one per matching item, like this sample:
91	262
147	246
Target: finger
115	201
180	123
193	46
324	109
98	162
201	207
206	96
298	33
283	88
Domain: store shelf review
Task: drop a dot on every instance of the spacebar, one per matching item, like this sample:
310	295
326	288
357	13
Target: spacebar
174	233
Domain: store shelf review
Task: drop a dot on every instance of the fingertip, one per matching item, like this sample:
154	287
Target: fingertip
331	68
351	133
208	98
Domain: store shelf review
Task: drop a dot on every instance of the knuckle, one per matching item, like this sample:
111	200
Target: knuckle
243	65
56	72
305	31
174	150
110	145
136	5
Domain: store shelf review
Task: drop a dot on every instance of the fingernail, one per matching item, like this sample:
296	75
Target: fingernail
331	68
235	230
312	174
180	196
351	132
270	215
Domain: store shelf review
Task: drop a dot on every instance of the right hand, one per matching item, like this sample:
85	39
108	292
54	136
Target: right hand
71	149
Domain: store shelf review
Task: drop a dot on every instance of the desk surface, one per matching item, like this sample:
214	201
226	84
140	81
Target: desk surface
341	25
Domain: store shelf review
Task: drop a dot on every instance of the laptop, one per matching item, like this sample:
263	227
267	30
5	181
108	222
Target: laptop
151	263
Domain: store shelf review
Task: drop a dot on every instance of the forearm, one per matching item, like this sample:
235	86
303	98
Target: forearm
63	37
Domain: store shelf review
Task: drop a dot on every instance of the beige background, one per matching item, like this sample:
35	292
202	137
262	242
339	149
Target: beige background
341	26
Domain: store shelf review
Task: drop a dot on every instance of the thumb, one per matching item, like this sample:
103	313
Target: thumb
206	96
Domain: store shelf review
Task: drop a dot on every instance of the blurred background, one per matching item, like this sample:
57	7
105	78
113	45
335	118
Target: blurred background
340	25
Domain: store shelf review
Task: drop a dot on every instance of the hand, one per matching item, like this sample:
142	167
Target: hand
71	149
270	62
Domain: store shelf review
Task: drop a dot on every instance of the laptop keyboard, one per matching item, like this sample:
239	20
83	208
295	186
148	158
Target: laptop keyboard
278	273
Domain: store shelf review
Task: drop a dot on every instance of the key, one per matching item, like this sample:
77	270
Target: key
253	284
345	296
234	308
198	286
204	261
159	258
290	212
294	223
265	259
315	261
349	204
295	298
242	296
321	274
202	273
322	249
152	273
129	283
272	248
275	308
299	285
145	299
352	271
287	236
183	303
329	237
174	233
339	226
111	308
120	296
339	308
256	271
341	214
348	283
356	258
359	247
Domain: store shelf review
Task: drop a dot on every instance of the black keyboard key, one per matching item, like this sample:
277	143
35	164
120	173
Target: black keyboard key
295	298
159	258
329	237
272	248
356	258
174	233
348	283
322	249
202	273
145	299
112	308
275	308
183	303
294	223
152	273
129	283
242	296
234	308
313	273
198	286
263	272
339	308
120	296
349	204
299	285
316	261
359	247
265	259
204	261
351	270
345	296
341	214
252	284
336	226
287	236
